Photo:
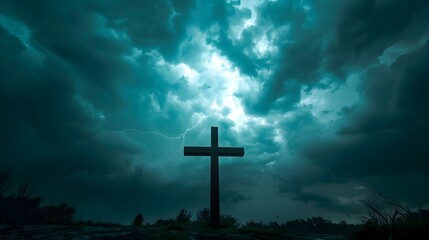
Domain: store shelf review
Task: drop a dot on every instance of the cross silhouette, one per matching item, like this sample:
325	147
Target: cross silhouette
214	151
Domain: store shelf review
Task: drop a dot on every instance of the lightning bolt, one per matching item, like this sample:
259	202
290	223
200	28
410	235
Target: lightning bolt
183	135
295	188
180	136
137	131
159	59
324	166
270	166
318	162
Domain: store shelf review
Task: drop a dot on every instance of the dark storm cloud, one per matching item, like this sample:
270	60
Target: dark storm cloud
236	52
311	46
366	28
217	12
221	16
42	120
67	34
388	135
386	138
34	98
233	196
161	24
299	42
328	199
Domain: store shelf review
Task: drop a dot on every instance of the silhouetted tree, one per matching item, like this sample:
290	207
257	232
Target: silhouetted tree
184	216
26	206
297	225
138	220
162	222
62	214
16	210
319	225
228	221
23	208
254	224
273	225
203	216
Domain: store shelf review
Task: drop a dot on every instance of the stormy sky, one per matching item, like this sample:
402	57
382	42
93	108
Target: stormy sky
329	98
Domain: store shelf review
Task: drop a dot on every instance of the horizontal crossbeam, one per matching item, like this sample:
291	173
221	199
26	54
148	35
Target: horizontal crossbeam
207	151
197	151
231	152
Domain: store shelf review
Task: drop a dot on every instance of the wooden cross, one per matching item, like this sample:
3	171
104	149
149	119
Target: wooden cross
214	151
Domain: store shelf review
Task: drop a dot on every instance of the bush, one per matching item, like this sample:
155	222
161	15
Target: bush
163	223
228	221
18	211
203	216
62	214
184	216
138	220
253	224
23	208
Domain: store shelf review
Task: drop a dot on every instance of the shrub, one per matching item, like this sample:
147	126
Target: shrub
23	208
163	223
254	224
228	221
203	216
184	216
138	220
62	214
15	210
19	209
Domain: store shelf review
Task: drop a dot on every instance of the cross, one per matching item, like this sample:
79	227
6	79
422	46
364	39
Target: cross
214	151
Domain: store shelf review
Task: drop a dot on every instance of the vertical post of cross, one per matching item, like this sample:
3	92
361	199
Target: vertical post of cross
214	179
214	151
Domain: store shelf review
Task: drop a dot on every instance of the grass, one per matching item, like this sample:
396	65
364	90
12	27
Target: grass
387	218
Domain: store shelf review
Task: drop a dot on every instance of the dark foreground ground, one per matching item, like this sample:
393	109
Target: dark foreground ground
126	232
